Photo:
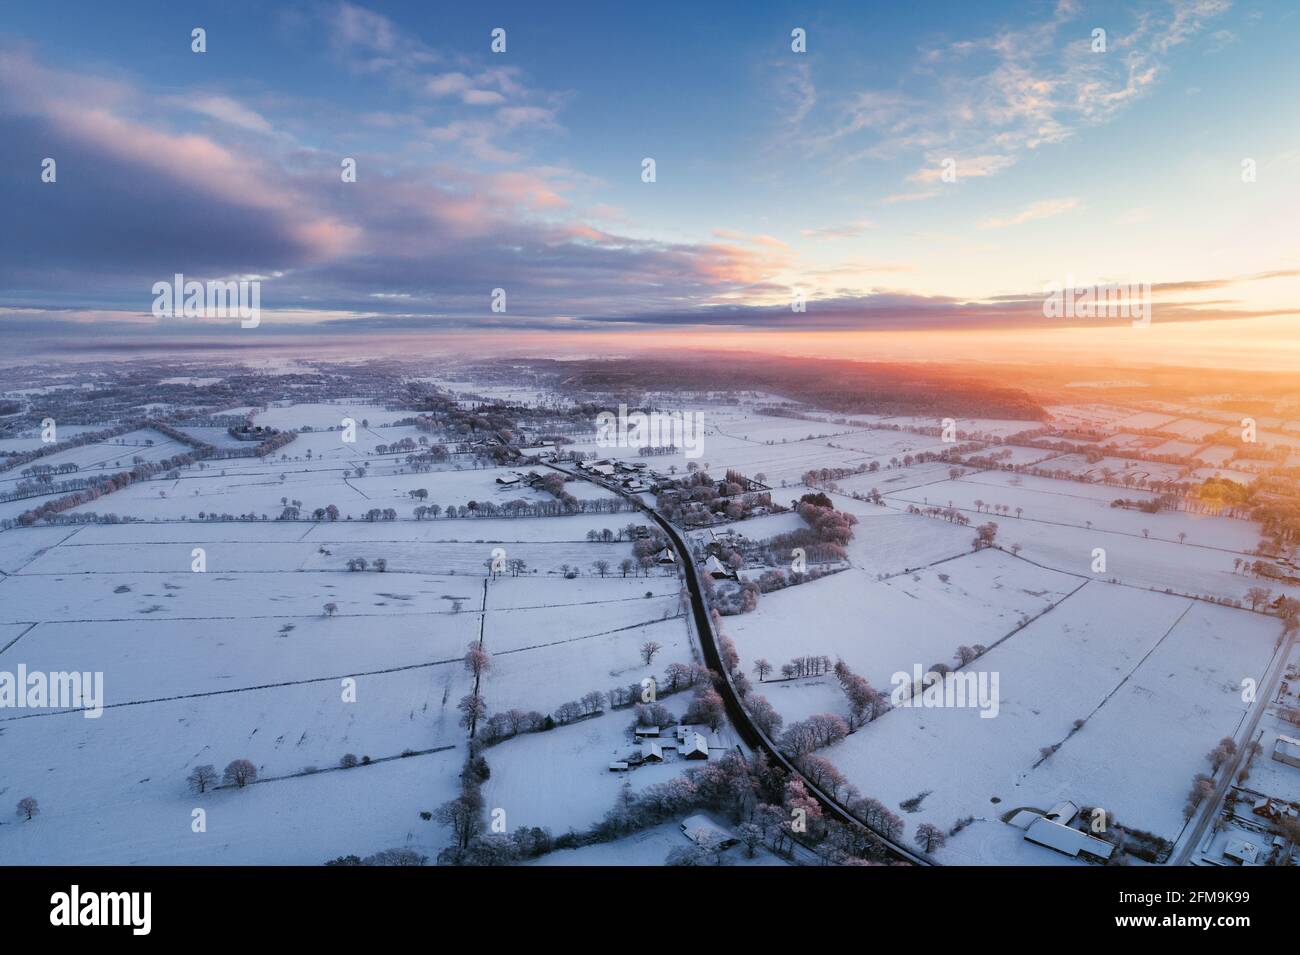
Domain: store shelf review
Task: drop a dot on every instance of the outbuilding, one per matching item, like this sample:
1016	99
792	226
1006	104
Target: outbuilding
1067	840
1287	750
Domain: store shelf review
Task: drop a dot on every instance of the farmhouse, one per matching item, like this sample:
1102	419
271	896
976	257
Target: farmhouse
718	570
1270	808
652	752
1071	842
1241	852
695	746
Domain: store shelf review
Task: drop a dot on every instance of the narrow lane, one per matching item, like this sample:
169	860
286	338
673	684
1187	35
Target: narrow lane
752	736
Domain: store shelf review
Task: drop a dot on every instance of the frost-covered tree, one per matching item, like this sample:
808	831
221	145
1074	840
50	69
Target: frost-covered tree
477	660
706	708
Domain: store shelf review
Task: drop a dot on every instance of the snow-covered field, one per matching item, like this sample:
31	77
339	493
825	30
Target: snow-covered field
115	454
241	661
650	847
257	653
1156	679
880	628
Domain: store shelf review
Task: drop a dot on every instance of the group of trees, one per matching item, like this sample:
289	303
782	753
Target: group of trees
731	597
865	701
13	460
51	511
463	815
985	535
816	732
238	773
826	477
676	678
706	707
385	857
772	579
697	498
797	668
1203	784
823	540
950	513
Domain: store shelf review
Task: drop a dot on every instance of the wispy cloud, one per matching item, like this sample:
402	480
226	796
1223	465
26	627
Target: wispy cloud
1043	209
230	111
153	197
795	91
988	101
845	231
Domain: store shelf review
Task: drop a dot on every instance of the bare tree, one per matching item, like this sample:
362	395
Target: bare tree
648	651
27	807
463	815
240	772
762	668
1258	595
201	778
472	709
929	837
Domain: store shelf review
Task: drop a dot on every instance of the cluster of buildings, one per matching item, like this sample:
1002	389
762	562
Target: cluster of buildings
1251	830
1054	831
631	476
656	743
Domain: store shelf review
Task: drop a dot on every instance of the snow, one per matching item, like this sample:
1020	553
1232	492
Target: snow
649	847
880	628
1117	657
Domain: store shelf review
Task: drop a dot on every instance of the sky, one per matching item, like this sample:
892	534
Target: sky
917	176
